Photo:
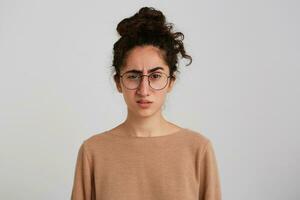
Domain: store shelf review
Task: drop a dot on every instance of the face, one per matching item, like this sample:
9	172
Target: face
143	59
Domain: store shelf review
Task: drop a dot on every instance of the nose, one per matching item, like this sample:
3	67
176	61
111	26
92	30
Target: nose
143	88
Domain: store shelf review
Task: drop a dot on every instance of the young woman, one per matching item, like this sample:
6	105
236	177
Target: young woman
146	157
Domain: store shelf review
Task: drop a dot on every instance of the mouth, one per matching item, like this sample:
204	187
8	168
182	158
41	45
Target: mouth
144	101
144	104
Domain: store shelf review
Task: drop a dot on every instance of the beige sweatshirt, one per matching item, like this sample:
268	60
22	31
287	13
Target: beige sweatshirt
178	166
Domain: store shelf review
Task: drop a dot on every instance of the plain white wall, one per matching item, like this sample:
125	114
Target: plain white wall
241	91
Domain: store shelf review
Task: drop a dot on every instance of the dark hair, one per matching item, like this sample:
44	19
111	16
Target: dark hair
148	27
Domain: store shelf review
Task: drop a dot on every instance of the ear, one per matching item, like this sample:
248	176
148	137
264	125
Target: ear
118	84
119	87
171	83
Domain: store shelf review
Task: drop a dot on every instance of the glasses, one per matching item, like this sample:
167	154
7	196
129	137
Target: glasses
156	80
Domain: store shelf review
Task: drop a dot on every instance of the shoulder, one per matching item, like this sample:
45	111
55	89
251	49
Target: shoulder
199	137
202	144
201	141
96	141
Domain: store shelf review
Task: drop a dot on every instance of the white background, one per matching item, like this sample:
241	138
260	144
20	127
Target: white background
241	91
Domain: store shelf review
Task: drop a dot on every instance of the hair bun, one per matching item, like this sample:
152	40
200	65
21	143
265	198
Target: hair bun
146	20
152	14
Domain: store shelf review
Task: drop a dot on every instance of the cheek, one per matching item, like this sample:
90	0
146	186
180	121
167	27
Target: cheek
129	97
160	98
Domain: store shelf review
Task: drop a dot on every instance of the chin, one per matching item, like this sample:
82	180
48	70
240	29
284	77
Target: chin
142	112
145	114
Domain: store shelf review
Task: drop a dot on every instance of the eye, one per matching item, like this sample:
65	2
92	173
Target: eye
132	76
155	76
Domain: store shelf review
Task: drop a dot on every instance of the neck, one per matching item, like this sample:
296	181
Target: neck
149	126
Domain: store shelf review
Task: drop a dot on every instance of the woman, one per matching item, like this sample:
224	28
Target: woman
146	157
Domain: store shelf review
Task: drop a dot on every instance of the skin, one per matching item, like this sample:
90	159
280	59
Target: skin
147	122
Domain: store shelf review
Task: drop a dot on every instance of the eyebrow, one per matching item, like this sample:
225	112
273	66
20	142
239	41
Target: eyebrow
149	71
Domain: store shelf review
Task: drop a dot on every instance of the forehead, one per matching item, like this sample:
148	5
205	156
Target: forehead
145	59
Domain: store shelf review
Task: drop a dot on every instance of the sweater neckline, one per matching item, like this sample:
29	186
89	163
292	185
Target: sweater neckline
178	132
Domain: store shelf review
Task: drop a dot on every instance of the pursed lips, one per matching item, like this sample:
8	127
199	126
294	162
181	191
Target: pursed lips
143	101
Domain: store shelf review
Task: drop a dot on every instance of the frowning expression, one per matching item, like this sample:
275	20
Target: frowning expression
145	60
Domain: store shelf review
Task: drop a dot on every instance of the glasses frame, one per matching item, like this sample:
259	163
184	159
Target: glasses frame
141	76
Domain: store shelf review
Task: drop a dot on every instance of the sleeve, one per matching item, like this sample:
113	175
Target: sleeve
210	186
83	187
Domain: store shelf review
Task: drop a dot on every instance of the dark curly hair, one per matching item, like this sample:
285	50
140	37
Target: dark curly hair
148	27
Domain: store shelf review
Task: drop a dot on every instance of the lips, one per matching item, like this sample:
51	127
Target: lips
144	104
144	101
